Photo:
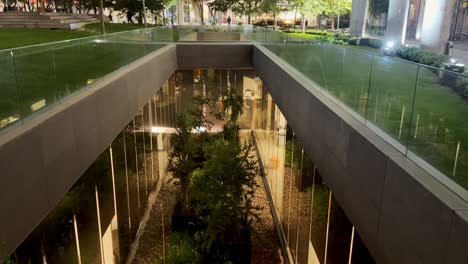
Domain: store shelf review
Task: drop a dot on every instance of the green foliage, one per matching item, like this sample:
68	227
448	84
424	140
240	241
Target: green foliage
375	43
420	56
353	41
461	86
222	192
199	120
232	107
247	7
181	162
135	7
327	39
220	5
182	249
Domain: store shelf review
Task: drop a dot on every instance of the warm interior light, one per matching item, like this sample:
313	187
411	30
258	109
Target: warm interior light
38	105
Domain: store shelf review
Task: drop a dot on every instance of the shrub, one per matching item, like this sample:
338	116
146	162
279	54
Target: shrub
318	32
326	39
182	249
375	43
420	56
339	42
353	41
343	37
461	86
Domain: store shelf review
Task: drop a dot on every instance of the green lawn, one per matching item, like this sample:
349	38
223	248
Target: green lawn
386	100
39	76
12	38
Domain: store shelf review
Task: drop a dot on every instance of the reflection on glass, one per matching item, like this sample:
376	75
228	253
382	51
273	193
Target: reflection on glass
390	98
84	195
122	194
439	135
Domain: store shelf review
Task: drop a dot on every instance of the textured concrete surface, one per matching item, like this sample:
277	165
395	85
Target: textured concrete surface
218	55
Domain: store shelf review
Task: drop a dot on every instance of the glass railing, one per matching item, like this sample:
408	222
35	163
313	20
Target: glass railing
35	77
421	110
208	33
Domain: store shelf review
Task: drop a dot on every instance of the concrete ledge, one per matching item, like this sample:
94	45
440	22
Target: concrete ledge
47	155
213	55
402	213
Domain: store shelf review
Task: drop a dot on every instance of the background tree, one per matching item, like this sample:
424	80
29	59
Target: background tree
331	9
309	8
219	6
247	7
136	7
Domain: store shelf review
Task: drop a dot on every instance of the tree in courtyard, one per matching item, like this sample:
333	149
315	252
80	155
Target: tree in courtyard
181	163
187	142
222	192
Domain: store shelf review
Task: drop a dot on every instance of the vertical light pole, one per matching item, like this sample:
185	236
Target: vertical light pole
144	14
101	16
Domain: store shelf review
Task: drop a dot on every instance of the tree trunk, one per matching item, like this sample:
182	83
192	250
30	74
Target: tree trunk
303	23
275	21
248	19
140	17
202	16
295	17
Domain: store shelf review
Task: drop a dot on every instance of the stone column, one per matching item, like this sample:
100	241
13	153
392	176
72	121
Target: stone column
180	12
358	17
438	17
420	19
396	21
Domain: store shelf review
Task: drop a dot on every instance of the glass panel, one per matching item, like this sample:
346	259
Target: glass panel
84	195
36	79
133	183
122	195
310	59
320	194
59	233
439	130
304	188
391	96
9	104
355	78
339	235
361	254
292	177
109	224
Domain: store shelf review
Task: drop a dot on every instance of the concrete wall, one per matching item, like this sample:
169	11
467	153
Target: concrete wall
42	159
215	55
401	212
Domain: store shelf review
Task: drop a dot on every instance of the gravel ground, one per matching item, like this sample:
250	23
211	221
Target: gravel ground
265	243
158	227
